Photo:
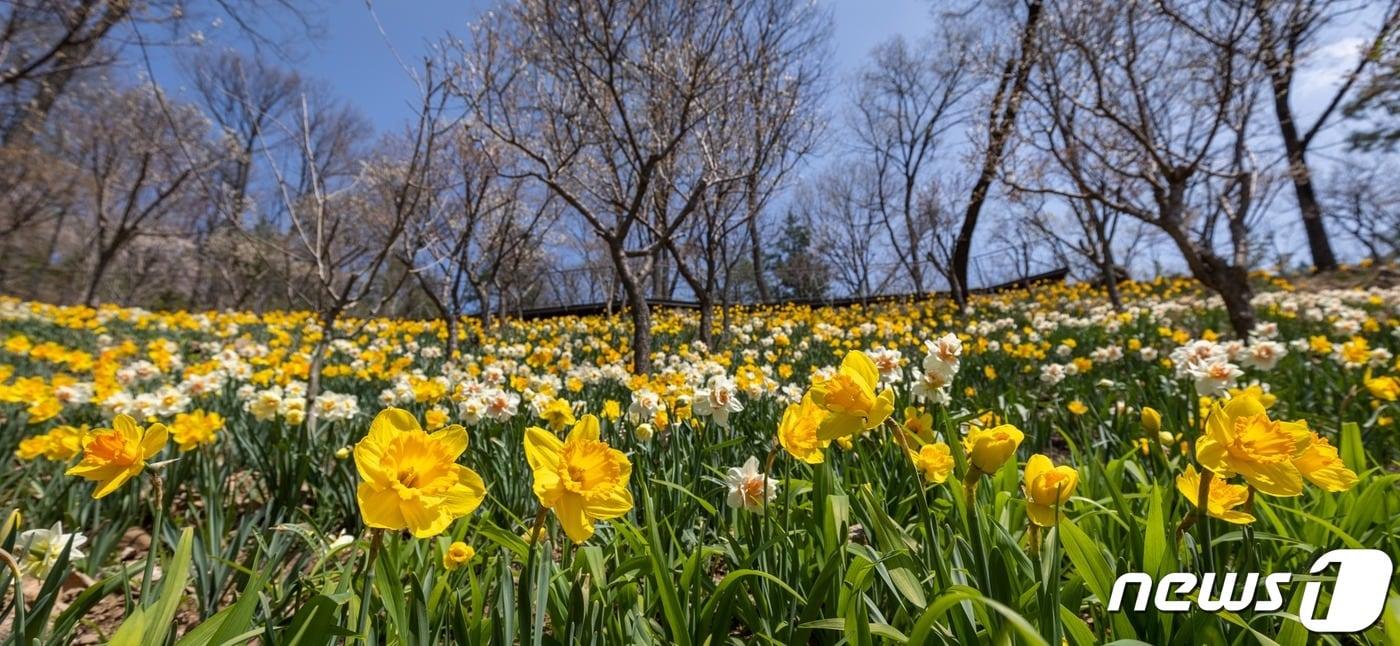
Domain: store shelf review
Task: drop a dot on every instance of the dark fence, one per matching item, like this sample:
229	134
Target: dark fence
593	309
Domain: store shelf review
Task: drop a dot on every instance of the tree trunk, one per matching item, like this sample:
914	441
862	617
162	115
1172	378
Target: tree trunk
450	322
1110	282
725	309
1296	148
485	303
760	281
641	313
1233	287
707	319
1005	106
313	372
1318	242
658	273
1228	280
104	259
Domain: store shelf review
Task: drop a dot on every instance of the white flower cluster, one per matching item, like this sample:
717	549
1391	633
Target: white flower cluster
717	400
289	403
477	401
940	365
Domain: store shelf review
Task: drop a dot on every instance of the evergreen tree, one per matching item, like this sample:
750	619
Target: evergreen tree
800	272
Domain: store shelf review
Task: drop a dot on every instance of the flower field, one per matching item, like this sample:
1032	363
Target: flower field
898	473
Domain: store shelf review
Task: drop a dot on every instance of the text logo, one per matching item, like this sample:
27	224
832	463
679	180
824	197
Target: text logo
1358	595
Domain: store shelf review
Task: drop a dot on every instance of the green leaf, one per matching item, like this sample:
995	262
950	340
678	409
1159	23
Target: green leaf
151	624
1089	562
922	632
390	589
661	575
1155	555
314	623
1076	630
1352	450
230	622
68	619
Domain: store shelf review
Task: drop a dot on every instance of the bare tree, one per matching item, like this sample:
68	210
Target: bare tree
785	52
481	228
349	235
137	169
1285	35
1364	201
1089	230
36	195
1144	118
45	45
1000	123
1377	103
244	96
907	102
846	230
943	220
600	99
760	138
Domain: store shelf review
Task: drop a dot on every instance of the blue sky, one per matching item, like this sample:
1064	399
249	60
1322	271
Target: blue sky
356	60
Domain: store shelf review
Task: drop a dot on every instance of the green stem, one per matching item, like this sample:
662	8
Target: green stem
375	542
157	530
527	577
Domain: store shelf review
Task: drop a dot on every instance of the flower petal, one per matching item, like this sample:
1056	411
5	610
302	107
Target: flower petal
154	440
452	440
542	449
858	365
379	507
619	503
585	430
572	518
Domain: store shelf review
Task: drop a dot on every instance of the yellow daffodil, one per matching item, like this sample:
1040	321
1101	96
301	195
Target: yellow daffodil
43	410
797	432
1266	399
918	424
1077	407
192	430
581	478
410	479
1322	466
558	414
1221	500
1385	387
435	418
850	398
32	447
989	448
612	410
1241	439
1048	488
934	461
111	456
457	555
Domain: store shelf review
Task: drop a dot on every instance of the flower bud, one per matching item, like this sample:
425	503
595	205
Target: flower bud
1151	420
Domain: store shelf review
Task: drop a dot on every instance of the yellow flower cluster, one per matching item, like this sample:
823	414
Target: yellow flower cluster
1273	457
844	405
